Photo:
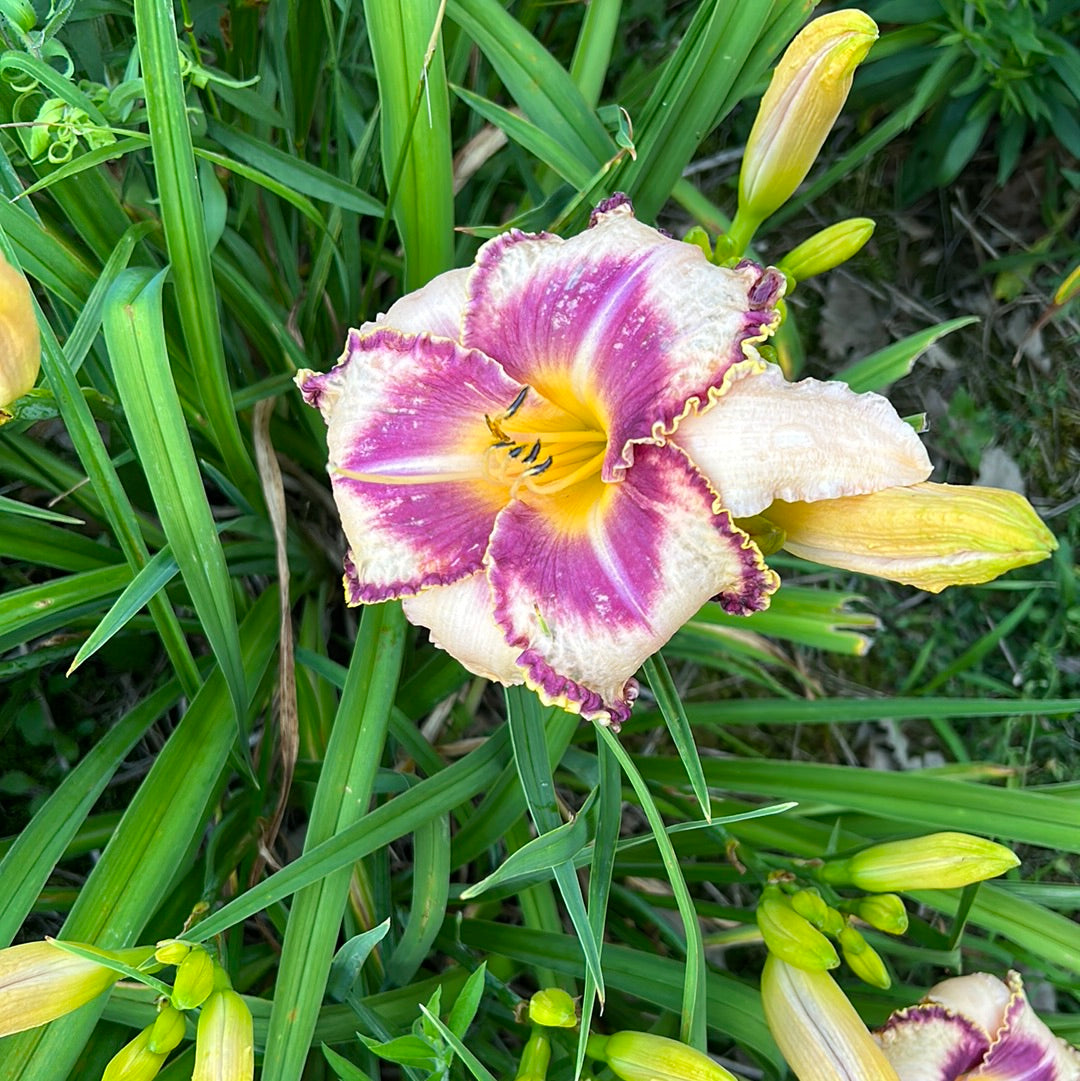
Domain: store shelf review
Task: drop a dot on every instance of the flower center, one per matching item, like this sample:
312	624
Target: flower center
543	447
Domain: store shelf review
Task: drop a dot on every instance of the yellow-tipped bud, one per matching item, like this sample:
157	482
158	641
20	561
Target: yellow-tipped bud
553	1008
826	249
641	1056
863	959
167	1030
938	861
194	980
171	951
817	1029
807	92
927	535
1069	287
20	342
40	982
790	936
224	1042
811	906
884	912
135	1061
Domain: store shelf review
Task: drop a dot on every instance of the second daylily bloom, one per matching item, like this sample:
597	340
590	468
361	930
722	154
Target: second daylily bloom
979	1027
545	455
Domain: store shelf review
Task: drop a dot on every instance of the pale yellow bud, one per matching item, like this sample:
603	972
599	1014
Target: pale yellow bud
938	861
641	1056
20	342
884	912
553	1008
135	1061
40	982
926	535
817	1029
224	1042
811	906
167	1030
194	980
827	249
171	951
863	959
807	92
790	936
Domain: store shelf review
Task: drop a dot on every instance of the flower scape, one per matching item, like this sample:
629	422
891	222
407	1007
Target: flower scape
557	456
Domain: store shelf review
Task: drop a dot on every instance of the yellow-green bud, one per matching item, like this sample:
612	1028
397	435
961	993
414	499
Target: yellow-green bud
20	342
194	980
863	959
834	923
535	1057
700	239
938	861
39	982
827	249
884	912
818	1030
224	1042
553	1008
171	951
167	1030
641	1056
804	98
790	936
926	535
135	1061
811	906
1069	287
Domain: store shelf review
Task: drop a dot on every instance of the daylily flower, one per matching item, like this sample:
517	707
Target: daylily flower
543	455
976	1026
40	982
816	1028
20	343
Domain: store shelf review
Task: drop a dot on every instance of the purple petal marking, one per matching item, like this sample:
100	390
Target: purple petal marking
606	206
407	439
620	326
1024	1049
928	1042
589	583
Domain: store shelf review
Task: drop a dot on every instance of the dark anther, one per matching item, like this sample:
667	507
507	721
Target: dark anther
537	469
515	405
532	455
517	450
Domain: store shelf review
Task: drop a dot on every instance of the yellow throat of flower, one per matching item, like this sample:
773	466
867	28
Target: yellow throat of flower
543	447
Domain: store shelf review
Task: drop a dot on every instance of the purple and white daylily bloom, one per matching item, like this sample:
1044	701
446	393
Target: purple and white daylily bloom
976	1028
544	455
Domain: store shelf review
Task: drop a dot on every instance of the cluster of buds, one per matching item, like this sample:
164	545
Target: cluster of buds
42	981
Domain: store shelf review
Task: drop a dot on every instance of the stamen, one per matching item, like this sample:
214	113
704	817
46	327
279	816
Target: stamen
563	482
516	451
532	455
515	405
538	469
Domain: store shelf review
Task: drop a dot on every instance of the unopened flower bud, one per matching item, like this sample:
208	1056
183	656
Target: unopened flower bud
938	861
167	1030
641	1056
807	91
224	1042
194	980
535	1057
20	342
171	951
884	912
1069	287
790	936
135	1061
925	535
553	1008
811	906
863	959
818	1031
40	982
827	249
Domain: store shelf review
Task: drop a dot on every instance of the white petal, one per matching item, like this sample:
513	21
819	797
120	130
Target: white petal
435	308
459	617
767	439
